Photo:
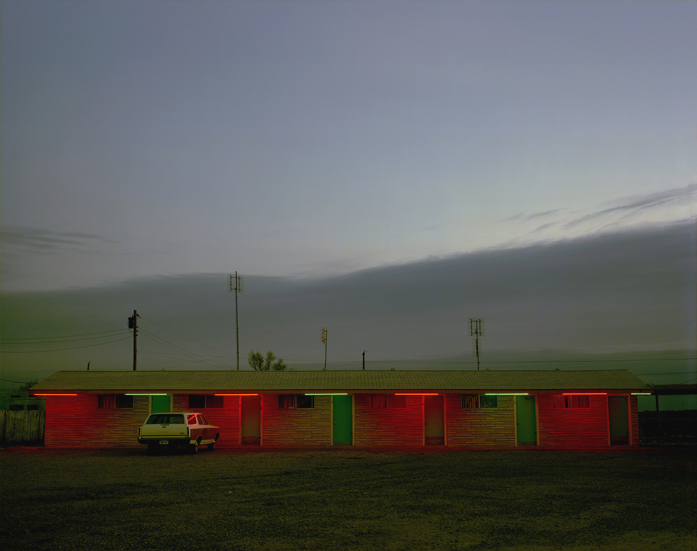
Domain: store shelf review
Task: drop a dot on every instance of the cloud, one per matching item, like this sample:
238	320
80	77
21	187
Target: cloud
631	290
526	217
632	206
544	227
41	240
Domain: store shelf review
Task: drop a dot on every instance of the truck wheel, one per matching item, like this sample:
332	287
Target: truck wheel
193	448
211	447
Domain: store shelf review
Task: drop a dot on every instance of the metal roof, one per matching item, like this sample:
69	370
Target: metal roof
340	381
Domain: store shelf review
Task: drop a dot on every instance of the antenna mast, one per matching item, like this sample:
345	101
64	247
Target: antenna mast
476	331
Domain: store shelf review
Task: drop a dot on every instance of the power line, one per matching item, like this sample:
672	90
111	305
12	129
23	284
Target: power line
183	337
60	349
54	340
168	344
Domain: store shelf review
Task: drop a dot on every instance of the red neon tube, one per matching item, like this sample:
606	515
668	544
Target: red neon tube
584	394
416	394
236	395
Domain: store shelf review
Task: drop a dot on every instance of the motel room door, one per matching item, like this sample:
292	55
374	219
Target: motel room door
160	404
343	420
250	419
433	421
619	427
526	421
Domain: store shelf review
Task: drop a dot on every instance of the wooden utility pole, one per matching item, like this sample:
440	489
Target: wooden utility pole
133	324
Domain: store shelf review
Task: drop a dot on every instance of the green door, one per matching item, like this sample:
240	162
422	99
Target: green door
159	404
619	427
251	420
433	421
343	420
526	420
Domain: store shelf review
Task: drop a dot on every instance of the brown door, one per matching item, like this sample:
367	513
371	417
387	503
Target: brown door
433	421
250	418
619	427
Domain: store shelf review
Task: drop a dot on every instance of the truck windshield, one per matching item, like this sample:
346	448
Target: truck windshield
165	419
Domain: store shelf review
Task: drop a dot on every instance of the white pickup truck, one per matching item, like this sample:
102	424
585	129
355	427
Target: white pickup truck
176	429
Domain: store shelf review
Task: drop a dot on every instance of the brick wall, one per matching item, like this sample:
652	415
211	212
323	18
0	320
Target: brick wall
388	426
227	417
486	427
77	422
296	426
573	427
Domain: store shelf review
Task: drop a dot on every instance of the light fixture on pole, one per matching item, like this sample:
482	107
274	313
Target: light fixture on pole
324	340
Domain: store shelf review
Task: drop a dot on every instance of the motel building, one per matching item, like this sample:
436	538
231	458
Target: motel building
363	409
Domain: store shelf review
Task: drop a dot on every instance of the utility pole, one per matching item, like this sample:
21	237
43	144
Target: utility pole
236	287
476	331
364	360
324	340
133	324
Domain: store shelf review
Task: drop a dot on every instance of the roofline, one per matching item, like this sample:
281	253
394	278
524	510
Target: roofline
248	392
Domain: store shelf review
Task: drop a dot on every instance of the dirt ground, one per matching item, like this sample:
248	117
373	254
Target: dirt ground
527	500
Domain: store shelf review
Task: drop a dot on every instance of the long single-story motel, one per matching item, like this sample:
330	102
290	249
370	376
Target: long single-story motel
303	409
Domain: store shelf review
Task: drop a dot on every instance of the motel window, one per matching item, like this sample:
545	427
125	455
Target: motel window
571	402
115	401
286	401
396	401
476	401
202	401
381	401
302	401
197	401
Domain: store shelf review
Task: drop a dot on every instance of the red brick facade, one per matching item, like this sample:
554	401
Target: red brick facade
480	427
573	427
77	421
388	426
227	417
301	427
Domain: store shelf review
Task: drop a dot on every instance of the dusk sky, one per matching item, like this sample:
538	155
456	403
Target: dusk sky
310	141
315	138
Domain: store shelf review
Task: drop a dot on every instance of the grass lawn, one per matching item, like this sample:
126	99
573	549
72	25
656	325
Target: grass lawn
125	499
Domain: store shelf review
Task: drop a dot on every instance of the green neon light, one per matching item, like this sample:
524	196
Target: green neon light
327	394
149	394
641	394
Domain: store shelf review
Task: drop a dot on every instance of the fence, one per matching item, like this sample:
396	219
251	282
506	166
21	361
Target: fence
22	427
676	427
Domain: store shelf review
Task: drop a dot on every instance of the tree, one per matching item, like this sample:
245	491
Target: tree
28	385
260	363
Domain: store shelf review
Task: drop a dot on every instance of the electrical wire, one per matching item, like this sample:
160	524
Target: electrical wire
18	382
60	349
183	351
183	337
55	340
